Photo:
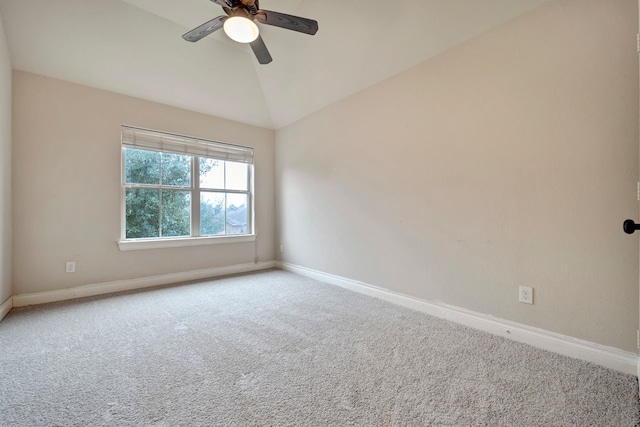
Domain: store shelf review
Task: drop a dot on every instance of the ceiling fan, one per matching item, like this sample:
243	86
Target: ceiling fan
239	25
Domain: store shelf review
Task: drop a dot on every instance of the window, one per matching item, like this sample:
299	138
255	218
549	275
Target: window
180	188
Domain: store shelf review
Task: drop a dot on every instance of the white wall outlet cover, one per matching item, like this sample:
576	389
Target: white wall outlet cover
525	295
70	267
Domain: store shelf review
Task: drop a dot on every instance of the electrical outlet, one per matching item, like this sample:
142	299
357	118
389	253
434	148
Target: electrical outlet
526	295
70	267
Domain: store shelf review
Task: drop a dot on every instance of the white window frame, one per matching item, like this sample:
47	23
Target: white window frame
201	147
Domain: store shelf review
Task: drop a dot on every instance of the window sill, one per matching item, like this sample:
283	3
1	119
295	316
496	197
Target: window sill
141	244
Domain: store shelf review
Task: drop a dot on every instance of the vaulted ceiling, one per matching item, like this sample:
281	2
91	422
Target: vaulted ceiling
134	47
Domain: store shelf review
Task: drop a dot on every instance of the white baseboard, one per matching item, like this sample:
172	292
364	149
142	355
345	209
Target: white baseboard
22	300
6	307
609	357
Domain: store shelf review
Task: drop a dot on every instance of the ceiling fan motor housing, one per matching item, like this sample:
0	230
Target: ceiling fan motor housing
250	7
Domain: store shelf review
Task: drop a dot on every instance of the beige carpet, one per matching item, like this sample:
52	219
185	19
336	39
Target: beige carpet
277	349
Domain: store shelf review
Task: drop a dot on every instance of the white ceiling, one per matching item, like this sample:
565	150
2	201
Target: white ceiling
134	47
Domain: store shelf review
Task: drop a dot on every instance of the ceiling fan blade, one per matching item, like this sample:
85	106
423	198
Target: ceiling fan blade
224	3
261	51
205	29
290	22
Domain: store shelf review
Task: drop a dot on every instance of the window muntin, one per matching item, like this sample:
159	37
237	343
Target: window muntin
174	195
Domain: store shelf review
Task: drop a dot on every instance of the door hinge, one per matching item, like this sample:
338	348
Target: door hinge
638	338
638	42
638	191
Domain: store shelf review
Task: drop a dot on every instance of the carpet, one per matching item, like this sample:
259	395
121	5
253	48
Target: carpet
276	349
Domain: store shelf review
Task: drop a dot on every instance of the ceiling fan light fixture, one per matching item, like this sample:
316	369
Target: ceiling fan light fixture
241	29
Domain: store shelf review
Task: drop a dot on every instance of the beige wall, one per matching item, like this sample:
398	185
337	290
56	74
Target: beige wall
509	160
67	185
5	169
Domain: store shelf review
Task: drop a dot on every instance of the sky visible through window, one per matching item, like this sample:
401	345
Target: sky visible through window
219	174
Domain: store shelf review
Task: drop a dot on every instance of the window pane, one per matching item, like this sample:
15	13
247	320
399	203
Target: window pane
141	166
237	176
142	213
211	173
176	213
176	170
211	213
237	214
